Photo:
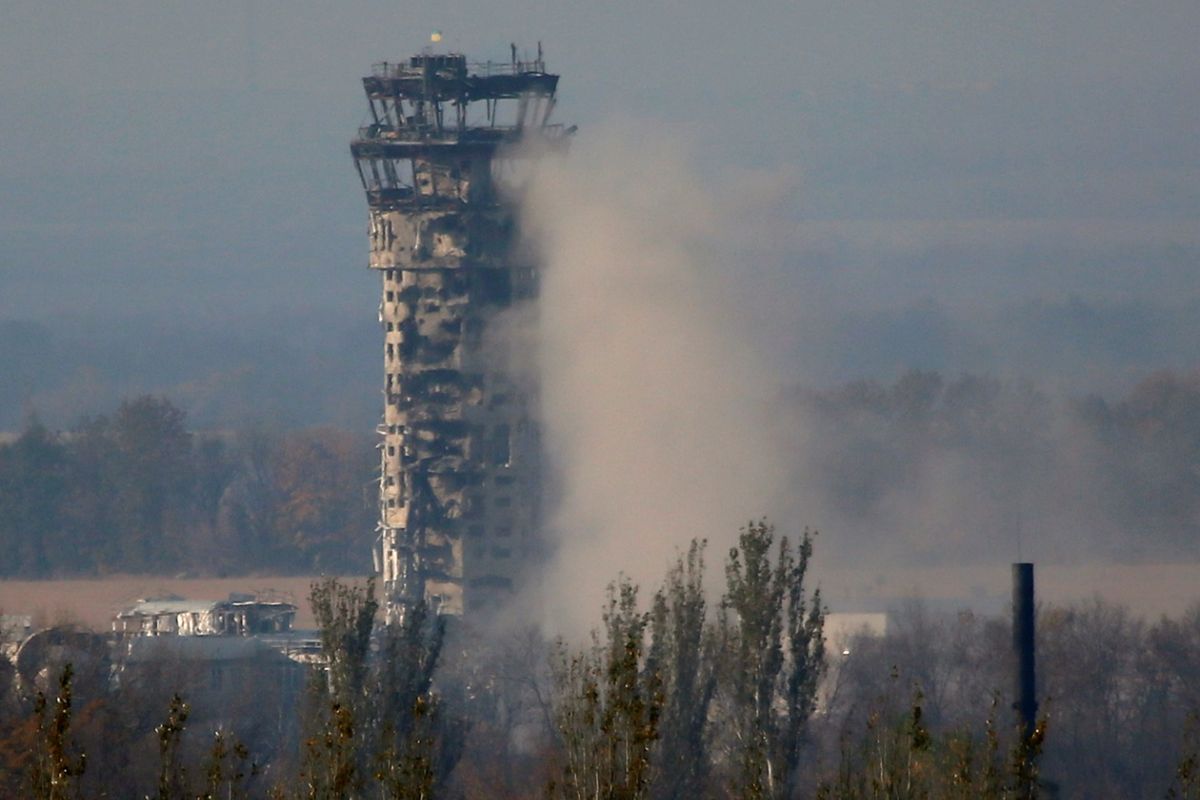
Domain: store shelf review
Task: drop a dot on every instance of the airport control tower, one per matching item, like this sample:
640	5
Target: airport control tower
459	477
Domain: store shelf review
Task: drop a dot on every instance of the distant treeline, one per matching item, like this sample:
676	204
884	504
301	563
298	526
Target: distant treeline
937	470
924	469
135	491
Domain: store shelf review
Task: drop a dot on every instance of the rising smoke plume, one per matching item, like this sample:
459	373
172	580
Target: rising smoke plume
668	414
654	399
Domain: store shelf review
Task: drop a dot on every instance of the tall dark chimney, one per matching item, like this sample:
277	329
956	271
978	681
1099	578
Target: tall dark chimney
1023	647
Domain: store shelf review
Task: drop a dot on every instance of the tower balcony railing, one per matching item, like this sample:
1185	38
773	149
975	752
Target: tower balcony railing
451	135
483	69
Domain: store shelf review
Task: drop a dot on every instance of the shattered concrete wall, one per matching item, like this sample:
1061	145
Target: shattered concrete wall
459	473
459	450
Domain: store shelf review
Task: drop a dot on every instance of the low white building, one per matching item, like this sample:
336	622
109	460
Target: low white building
240	615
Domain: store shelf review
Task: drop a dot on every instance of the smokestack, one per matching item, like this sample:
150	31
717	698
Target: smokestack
1023	647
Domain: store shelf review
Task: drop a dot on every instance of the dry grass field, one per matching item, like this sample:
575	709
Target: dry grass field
1149	590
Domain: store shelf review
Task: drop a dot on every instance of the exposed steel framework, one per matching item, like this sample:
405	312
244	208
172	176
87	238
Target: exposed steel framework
459	465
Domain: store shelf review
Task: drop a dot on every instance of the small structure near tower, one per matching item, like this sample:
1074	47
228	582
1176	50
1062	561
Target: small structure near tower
459	449
240	615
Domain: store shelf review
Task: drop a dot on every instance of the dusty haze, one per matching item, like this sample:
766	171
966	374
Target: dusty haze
765	205
655	406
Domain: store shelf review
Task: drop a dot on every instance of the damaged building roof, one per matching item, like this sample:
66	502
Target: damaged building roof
239	615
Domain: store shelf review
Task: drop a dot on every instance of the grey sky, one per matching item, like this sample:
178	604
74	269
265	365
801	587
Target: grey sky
186	164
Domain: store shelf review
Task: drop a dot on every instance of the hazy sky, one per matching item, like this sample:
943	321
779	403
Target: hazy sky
171	164
1007	188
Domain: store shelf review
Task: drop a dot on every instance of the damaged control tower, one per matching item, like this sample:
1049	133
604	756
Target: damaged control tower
459	480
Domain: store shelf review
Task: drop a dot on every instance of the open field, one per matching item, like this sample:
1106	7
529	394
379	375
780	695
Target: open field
1149	590
93	602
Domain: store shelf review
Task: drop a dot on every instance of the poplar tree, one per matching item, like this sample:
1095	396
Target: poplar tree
682	653
335	746
608	707
773	656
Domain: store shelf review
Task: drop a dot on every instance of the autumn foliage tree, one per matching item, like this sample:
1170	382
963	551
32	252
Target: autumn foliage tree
136	491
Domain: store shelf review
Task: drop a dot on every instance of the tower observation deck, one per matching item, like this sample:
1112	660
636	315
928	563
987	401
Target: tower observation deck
459	448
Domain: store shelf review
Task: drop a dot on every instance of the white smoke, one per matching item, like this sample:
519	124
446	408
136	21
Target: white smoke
654	398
